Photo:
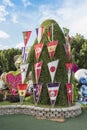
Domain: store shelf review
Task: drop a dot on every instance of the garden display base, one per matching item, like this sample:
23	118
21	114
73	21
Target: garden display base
40	112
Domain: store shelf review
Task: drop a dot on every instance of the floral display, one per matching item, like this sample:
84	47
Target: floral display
13	80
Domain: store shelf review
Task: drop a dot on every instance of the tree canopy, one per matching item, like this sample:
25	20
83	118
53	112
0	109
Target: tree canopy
7	59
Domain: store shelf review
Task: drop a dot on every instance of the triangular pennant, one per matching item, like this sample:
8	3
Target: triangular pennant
37	91
23	68
69	92
69	65
43	29
38	49
69	69
53	92
52	66
69	39
25	52
38	67
51	48
23	55
68	50
22	91
39	32
66	31
49	33
27	49
26	36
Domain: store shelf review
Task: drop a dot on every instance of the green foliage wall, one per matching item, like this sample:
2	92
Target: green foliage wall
79	51
61	74
7	59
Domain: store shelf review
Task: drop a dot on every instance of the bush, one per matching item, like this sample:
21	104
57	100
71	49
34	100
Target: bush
1	97
13	98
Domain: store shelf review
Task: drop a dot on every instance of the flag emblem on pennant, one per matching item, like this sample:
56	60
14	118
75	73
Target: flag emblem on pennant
53	92
37	91
38	49
26	36
51	48
52	69
52	66
38	67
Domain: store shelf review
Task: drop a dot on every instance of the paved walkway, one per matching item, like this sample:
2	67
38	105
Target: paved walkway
25	122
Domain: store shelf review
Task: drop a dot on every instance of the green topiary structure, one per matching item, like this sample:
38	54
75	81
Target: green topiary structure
61	73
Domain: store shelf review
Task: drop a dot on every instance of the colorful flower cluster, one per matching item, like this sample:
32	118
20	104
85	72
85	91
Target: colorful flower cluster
13	81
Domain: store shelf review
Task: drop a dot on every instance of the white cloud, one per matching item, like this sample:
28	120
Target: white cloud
14	18
4	35
3	13
69	15
26	3
2	47
8	3
19	45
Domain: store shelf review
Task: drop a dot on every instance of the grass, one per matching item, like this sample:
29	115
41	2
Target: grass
27	103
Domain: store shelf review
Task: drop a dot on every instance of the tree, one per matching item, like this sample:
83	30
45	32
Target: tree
83	56
7	59
79	50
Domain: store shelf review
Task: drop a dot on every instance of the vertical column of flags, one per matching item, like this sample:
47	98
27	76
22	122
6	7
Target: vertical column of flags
69	65
37	87
23	67
52	66
67	44
25	51
53	87
69	85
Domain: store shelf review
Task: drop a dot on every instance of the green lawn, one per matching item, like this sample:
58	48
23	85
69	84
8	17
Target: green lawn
25	122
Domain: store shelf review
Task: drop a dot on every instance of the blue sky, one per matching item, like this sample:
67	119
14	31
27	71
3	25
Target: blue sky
17	16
